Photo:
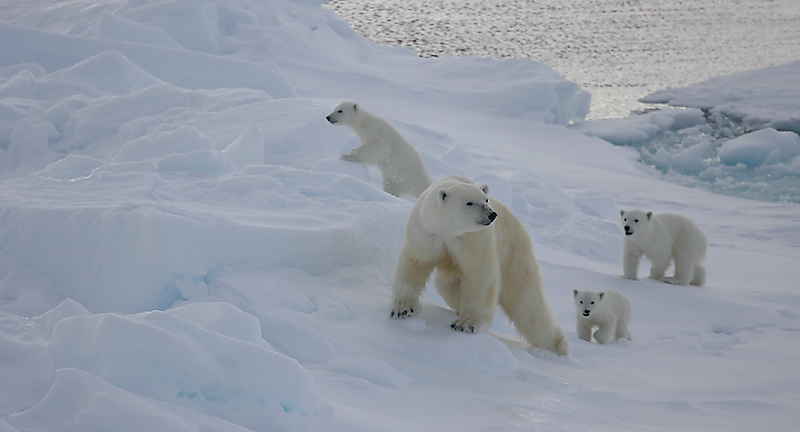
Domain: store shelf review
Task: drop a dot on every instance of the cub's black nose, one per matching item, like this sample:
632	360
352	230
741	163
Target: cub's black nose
493	216
328	118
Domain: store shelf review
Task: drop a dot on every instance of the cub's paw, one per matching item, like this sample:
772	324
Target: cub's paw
465	325
404	309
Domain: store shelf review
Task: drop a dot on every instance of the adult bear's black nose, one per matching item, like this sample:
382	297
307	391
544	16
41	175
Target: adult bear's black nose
328	118
492	216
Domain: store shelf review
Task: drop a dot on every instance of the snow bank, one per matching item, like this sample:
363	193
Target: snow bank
283	33
173	359
191	368
764	147
187	69
721	154
758	99
80	401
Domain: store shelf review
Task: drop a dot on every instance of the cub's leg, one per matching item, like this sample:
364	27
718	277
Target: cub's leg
630	264
584	330
699	276
605	333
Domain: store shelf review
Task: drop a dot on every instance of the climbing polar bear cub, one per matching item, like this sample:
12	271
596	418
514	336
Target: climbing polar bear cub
609	310
482	256
663	239
401	166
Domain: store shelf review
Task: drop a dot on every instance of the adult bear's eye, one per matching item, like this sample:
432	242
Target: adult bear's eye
469	203
636	221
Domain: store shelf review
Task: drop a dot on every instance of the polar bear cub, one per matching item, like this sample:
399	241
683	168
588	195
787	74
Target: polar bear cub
663	239
482	256
608	310
401	166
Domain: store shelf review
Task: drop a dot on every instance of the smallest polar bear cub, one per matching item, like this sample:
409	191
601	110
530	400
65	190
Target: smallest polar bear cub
609	310
663	239
402	168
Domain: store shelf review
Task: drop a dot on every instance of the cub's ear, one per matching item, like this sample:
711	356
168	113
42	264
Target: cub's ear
355	107
574	293
601	295
622	212
442	194
649	215
485	189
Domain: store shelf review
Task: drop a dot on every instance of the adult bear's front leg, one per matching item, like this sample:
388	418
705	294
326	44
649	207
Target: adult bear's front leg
409	280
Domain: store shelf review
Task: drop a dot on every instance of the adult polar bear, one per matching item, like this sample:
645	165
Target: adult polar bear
402	168
663	239
482	256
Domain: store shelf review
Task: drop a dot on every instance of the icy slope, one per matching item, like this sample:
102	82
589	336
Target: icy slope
182	249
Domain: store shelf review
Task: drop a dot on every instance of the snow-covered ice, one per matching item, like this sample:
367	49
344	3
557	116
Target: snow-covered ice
181	247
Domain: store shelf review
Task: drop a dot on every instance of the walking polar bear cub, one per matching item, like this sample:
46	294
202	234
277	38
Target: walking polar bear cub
608	310
482	256
663	239
401	166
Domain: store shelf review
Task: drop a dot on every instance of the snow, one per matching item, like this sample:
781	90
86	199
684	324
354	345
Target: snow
693	148
758	99
766	146
181	247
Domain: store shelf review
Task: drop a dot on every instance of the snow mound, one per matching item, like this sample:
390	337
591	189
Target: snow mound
170	359
764	147
109	72
79	401
114	27
188	69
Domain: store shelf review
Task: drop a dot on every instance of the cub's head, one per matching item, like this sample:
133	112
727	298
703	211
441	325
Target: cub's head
464	208
586	302
343	113
634	221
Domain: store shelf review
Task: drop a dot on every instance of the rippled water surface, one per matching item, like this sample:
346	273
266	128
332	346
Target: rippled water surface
618	50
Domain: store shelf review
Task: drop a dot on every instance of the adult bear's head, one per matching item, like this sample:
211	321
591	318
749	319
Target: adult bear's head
453	206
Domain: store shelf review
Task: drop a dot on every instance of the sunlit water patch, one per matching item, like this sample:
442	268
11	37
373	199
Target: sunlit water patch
617	50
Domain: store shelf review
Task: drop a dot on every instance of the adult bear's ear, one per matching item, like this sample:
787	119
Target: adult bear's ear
575	293
622	213
355	107
649	215
442	194
601	295
485	189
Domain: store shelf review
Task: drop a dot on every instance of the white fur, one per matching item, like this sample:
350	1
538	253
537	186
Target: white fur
608	310
402	168
482	256
663	239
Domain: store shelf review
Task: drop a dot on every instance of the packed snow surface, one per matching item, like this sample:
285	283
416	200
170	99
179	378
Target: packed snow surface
181	247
